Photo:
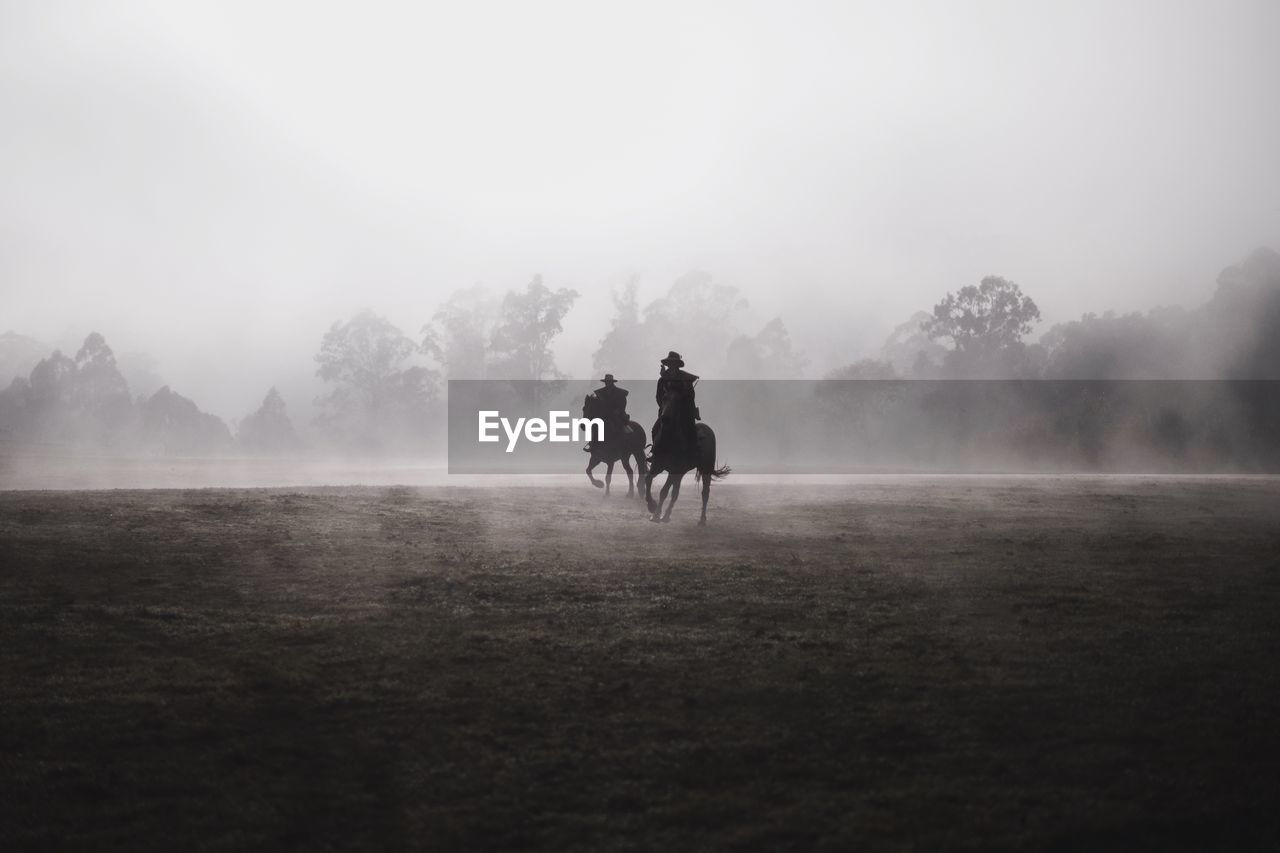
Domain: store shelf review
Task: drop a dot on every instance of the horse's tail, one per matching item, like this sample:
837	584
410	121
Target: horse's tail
715	473
707	452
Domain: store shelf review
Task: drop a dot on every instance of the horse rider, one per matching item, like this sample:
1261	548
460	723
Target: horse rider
613	402
674	380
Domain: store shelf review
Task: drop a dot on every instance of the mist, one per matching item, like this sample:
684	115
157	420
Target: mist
968	320
215	184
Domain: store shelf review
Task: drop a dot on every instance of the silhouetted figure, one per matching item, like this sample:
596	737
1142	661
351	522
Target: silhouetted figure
675	399
623	440
612	408
680	445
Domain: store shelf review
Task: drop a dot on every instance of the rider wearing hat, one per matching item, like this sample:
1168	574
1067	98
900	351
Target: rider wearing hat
673	379
614	400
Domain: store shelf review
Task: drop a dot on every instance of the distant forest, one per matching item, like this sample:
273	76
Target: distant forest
385	387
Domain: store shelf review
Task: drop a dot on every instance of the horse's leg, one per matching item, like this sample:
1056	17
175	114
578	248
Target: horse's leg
642	467
675	495
631	480
662	498
608	476
591	466
654	471
706	493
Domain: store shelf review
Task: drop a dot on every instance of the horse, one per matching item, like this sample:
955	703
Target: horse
615	448
679	458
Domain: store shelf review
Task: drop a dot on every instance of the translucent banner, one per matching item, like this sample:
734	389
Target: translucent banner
873	426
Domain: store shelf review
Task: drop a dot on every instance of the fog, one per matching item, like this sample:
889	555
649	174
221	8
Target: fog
214	184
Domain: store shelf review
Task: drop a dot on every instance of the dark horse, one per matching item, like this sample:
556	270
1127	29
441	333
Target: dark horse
680	454
617	446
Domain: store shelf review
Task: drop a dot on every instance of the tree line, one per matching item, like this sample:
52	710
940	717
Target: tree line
385	388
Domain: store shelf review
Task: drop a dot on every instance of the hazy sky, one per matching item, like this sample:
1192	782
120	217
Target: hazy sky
216	182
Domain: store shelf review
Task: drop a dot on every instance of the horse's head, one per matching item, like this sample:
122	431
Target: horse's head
590	406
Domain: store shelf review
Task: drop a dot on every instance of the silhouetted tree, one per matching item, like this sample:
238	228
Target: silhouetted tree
1241	323
104	405
52	389
625	350
991	316
867	368
768	354
40	409
172	424
1235	335
269	430
378	398
459	332
697	316
139	370
985	324
910	349
1128	346
18	355
97	371
82	401
527	323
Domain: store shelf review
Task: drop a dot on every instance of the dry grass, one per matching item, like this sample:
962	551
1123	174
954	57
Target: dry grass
998	663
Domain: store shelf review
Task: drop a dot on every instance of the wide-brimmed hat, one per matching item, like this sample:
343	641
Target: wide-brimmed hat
608	379
673	358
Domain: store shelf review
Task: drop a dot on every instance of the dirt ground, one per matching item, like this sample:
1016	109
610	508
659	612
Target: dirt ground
949	663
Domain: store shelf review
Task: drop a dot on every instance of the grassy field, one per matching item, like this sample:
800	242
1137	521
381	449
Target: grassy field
1059	663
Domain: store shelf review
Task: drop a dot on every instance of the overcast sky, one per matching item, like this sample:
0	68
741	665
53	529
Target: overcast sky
214	183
